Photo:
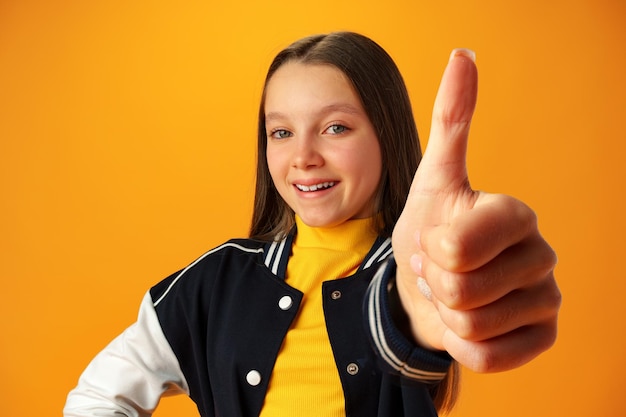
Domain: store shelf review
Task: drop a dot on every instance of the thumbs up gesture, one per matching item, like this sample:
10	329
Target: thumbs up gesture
474	274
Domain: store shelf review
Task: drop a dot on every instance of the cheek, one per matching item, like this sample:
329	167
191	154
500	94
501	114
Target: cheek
365	168
272	162
275	167
373	172
370	163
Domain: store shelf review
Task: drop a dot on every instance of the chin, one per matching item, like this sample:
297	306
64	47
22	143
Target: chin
320	221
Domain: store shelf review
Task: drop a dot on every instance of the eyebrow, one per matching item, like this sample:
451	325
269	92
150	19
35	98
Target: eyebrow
331	108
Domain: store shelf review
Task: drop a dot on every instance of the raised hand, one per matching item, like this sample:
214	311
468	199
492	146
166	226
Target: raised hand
474	274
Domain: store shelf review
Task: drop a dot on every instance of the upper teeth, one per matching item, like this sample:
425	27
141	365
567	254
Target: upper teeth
315	187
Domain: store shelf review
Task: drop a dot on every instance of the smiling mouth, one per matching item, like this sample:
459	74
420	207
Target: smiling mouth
315	187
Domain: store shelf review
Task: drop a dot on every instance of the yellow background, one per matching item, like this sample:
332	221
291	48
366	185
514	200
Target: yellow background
127	132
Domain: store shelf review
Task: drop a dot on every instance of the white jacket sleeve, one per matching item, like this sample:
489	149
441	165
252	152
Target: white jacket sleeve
131	374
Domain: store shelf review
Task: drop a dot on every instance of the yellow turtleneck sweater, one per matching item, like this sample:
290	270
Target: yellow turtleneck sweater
305	380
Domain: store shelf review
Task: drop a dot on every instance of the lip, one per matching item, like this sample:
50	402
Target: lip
313	186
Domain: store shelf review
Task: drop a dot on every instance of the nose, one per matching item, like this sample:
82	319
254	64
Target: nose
307	152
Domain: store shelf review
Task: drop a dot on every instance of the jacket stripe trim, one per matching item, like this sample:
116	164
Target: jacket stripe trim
375	293
275	255
270	253
217	249
279	256
379	255
387	254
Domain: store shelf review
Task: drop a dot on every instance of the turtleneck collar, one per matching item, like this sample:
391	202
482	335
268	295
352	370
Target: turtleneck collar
353	235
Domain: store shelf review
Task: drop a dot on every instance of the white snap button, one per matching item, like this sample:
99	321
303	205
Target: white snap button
335	295
254	378
352	369
285	302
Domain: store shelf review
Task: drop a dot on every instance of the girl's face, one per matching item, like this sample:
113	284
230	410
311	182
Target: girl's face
322	151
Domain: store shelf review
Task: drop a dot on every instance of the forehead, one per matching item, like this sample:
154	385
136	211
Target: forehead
299	85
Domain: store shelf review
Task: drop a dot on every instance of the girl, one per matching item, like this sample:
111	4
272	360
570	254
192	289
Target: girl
310	315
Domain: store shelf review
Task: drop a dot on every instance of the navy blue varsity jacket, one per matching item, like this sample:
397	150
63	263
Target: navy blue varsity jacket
214	330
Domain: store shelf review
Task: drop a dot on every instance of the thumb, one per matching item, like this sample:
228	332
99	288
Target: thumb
443	167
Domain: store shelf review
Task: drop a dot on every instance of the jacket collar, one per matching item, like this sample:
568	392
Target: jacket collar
276	254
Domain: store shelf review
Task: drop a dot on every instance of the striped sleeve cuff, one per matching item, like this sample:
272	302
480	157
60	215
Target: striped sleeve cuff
398	355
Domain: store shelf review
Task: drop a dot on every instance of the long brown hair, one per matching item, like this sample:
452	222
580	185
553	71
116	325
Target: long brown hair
384	96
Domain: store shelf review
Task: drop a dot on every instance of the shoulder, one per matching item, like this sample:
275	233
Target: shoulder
222	261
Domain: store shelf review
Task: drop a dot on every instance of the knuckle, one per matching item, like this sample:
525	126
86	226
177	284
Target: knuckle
482	359
523	214
553	296
453	120
548	296
547	338
454	293
546	257
454	250
550	259
520	210
465	325
486	362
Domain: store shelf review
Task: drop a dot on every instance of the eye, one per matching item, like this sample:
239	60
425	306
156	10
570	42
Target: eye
280	134
336	129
